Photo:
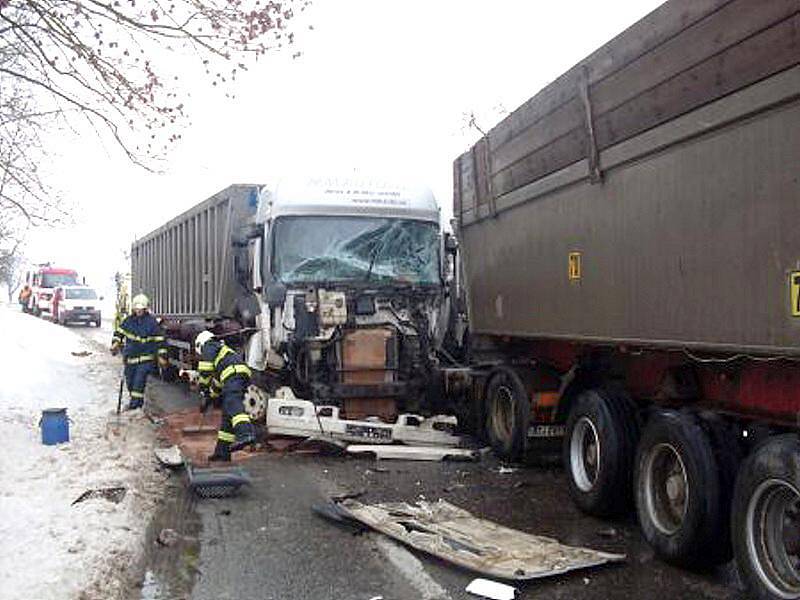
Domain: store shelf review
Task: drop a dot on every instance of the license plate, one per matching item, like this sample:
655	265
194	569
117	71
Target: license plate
547	431
368	432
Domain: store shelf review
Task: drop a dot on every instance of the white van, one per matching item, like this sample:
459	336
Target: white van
76	303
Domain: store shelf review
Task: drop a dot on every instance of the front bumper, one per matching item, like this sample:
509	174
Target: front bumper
79	315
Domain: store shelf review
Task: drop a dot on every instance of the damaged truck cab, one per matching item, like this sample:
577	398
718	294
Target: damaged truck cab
351	298
331	287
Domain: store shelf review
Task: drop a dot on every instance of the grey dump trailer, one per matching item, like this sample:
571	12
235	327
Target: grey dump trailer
189	267
631	258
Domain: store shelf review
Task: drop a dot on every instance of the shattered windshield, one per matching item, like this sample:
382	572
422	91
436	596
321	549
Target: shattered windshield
368	249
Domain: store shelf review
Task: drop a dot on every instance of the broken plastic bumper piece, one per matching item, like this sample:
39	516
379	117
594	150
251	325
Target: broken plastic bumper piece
290	416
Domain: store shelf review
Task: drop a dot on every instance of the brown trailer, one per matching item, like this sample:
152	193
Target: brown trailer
631	253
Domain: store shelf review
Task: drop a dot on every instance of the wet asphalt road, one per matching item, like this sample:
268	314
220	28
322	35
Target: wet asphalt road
268	544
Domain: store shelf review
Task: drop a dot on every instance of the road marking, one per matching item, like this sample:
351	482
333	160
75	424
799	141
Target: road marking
411	568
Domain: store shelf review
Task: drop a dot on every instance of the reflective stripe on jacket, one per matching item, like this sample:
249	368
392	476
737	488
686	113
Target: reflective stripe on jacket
142	337
220	364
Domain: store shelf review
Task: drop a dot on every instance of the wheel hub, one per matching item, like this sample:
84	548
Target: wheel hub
676	491
584	454
591	455
503	414
666	488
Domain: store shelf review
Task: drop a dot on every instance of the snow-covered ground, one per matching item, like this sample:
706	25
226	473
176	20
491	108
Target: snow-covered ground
50	549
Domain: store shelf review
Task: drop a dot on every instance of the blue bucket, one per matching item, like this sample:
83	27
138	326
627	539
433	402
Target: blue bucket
55	426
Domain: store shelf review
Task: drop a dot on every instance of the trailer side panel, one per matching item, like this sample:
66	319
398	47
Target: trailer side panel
186	267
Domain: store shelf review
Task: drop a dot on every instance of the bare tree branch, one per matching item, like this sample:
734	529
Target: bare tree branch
103	60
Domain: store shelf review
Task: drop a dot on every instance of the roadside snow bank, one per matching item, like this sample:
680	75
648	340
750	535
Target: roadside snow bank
51	549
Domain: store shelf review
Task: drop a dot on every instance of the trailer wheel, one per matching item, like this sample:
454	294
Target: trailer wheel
766	519
508	411
598	450
678	492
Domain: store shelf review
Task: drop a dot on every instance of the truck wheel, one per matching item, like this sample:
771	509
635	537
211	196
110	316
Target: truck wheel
599	446
678	491
766	519
508	410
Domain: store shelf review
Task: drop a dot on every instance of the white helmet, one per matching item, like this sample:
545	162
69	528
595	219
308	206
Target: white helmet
201	339
140	302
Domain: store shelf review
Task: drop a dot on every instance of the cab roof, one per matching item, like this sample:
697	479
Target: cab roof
347	196
57	271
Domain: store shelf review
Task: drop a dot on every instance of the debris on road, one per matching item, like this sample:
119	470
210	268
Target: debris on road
112	494
455	535
167	537
169	457
348	496
491	589
289	416
192	432
332	511
81	353
503	470
318	445
194	429
426	453
216	482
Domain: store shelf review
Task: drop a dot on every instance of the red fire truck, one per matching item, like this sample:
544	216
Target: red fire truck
43	281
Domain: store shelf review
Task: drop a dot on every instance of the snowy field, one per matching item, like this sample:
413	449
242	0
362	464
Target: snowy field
51	549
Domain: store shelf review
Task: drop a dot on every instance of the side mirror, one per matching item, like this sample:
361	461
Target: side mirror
275	294
249	231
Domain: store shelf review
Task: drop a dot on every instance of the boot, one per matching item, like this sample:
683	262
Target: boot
222	453
245	436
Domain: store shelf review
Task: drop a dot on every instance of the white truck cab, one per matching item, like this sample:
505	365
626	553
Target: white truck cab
349	275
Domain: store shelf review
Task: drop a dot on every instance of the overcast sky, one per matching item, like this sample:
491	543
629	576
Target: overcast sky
381	87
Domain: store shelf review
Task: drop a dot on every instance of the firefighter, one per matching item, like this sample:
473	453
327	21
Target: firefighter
224	373
143	347
25	297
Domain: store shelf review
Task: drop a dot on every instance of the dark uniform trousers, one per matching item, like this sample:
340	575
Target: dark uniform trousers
143	341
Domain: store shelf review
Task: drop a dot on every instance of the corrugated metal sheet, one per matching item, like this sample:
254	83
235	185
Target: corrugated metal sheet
186	266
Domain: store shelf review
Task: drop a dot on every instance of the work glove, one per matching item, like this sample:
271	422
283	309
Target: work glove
163	362
114	348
